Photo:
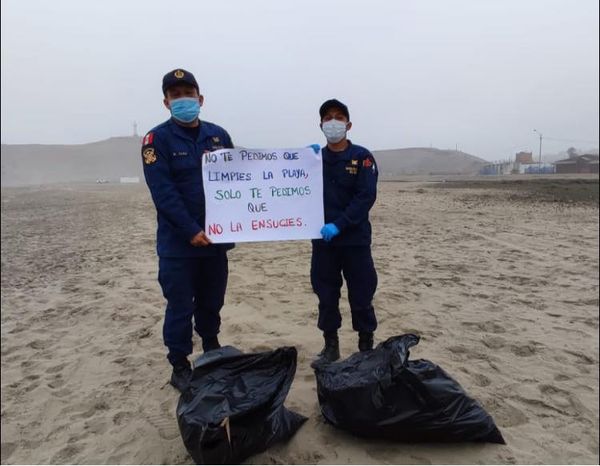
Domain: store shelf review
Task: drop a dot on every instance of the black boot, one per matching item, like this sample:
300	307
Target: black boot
331	350
180	378
365	341
210	343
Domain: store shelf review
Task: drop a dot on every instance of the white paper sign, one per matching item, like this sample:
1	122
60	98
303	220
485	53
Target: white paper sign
263	194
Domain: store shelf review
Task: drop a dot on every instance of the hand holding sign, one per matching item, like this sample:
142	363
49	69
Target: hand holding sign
200	240
329	231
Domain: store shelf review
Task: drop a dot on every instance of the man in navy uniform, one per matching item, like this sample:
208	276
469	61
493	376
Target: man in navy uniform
349	191
192	271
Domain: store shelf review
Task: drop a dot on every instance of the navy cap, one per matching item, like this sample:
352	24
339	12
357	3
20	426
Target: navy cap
178	76
333	103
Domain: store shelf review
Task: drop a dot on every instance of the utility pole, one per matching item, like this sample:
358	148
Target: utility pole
135	133
540	159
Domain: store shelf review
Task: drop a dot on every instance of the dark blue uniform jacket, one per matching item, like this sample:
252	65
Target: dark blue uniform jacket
349	192
173	170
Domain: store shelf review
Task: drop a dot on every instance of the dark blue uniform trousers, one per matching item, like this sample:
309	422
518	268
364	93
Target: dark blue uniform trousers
356	264
193	287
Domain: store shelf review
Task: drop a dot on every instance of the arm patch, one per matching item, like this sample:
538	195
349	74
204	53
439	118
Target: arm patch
148	139
149	155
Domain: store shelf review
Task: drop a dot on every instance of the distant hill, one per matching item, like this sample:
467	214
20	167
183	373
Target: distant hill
426	161
30	164
26	164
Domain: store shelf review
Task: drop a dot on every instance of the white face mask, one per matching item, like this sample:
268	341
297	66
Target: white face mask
334	130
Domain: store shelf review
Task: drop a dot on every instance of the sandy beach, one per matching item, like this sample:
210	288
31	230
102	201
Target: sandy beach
501	285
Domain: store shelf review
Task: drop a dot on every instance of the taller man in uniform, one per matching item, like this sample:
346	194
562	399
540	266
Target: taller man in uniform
192	271
349	191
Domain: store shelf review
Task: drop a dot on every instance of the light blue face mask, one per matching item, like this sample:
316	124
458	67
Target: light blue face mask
185	109
334	130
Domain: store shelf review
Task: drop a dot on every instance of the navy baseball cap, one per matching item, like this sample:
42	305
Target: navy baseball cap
333	103
178	76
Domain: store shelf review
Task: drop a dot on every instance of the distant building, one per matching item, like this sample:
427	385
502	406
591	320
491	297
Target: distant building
526	166
129	179
524	157
587	163
536	169
497	168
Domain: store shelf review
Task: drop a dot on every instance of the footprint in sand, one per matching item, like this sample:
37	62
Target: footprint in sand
19	328
493	342
530	349
581	358
309	457
468	352
7	449
488	326
56	381
55	369
66	455
563	400
504	413
96	426
260	348
123	417
140	334
39	344
27	364
308	378
165	422
481	380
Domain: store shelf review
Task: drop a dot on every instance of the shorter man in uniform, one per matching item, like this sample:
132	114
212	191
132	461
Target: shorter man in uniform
349	191
192	271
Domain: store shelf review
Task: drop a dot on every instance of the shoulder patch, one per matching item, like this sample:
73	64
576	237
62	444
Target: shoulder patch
369	163
148	139
149	155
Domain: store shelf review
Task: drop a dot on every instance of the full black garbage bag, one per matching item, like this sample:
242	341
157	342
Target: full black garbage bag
234	405
381	394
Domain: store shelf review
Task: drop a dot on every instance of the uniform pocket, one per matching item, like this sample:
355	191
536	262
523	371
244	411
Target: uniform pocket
347	179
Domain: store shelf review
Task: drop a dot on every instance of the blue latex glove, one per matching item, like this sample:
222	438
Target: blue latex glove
315	147
329	231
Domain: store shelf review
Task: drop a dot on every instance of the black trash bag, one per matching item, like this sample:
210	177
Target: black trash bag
381	394
234	405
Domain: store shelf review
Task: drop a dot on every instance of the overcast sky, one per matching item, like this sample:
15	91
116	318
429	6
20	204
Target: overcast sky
480	74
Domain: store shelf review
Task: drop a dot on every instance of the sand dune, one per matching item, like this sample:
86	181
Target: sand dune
35	164
504	294
426	161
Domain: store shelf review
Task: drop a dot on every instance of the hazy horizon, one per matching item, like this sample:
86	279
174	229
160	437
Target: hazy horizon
477	76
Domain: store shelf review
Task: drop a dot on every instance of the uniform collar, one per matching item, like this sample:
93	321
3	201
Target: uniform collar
205	131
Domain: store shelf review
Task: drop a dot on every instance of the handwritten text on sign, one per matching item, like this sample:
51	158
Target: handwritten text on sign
263	194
